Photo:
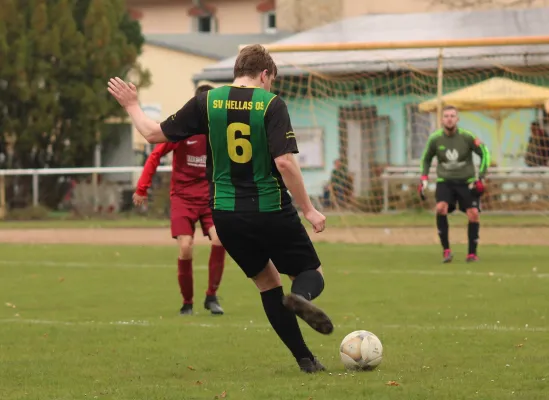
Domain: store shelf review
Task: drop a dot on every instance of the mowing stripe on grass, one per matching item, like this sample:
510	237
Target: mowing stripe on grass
480	327
78	264
446	272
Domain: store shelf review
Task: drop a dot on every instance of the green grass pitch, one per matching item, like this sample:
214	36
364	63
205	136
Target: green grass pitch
100	322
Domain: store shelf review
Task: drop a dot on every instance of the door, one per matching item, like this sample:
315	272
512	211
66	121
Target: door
356	131
357	157
382	141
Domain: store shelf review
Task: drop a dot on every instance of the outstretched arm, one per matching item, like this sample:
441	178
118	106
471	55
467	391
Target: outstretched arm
126	95
190	120
153	161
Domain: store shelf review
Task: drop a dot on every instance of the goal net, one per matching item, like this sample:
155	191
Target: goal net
362	119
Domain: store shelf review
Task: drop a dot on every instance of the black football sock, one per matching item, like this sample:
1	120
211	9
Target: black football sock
284	323
442	226
308	284
472	233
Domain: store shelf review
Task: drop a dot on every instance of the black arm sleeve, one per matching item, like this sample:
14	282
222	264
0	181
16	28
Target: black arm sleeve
280	133
191	119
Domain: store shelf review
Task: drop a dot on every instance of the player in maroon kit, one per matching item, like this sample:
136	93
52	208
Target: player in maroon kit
189	197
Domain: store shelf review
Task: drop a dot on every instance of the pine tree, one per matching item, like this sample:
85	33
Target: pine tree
55	59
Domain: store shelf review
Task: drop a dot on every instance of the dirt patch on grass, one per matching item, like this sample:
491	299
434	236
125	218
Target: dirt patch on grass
161	236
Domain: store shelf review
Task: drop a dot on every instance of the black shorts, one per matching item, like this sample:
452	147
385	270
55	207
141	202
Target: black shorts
254	238
457	193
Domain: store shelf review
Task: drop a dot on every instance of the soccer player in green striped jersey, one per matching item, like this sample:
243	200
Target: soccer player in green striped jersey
251	166
457	182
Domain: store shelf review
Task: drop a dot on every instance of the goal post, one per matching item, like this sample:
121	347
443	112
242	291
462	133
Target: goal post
360	110
416	44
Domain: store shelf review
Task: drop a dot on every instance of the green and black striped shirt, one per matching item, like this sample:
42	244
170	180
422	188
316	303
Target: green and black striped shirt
247	129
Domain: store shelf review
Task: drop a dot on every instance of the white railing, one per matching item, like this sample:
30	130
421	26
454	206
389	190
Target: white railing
390	174
36	173
413	173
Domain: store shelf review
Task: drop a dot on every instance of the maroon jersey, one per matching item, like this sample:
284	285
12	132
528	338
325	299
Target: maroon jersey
188	170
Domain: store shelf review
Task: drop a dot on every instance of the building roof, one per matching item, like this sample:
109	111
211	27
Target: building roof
216	46
409	27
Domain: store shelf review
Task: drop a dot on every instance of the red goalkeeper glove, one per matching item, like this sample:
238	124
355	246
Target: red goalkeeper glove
478	186
422	186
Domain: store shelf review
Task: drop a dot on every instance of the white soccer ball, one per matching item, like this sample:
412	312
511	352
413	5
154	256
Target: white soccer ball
361	350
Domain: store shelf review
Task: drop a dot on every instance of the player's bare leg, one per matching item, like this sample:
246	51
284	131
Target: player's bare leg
443	228
473	233
185	273
216	266
283	320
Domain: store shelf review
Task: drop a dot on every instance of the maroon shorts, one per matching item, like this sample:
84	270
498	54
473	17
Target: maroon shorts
184	218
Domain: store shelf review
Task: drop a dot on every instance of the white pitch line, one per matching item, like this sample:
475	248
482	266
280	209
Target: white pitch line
480	327
341	270
451	273
77	264
73	323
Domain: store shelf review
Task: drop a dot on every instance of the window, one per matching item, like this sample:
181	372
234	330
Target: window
269	22
419	126
204	24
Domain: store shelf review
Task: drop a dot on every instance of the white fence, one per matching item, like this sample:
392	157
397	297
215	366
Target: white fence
515	184
95	188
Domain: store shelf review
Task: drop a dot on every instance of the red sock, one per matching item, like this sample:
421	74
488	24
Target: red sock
185	279
215	269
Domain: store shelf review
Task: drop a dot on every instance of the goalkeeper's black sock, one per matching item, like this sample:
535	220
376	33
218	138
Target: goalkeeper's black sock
308	284
472	233
284	323
442	226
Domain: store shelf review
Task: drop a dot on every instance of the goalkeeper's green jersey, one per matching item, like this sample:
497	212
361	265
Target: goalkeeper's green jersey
247	129
455	155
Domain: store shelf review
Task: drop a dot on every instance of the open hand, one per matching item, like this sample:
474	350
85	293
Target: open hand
124	93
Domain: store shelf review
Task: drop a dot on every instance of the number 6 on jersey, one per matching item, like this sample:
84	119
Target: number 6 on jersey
234	143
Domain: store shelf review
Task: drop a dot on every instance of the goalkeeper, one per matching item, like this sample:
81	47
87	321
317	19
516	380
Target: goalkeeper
456	178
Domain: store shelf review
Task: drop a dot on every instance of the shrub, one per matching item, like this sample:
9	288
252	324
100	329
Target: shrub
29	213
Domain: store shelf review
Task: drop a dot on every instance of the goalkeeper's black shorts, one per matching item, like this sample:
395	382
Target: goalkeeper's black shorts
457	195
